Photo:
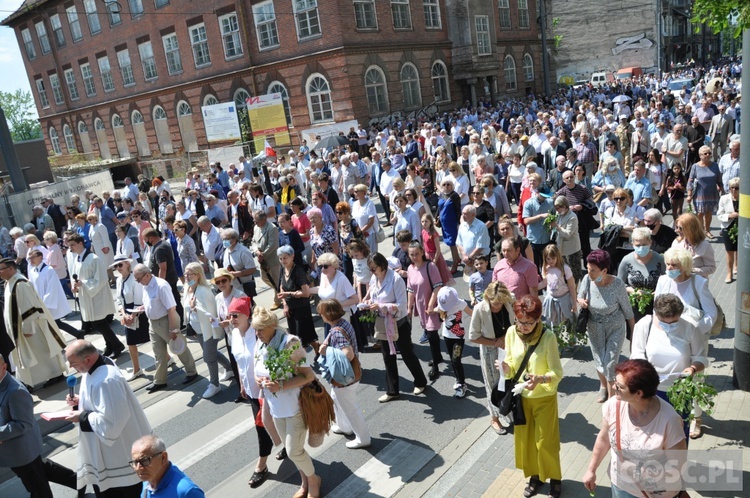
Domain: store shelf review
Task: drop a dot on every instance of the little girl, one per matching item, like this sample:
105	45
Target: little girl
676	183
452	309
431	244
559	303
358	251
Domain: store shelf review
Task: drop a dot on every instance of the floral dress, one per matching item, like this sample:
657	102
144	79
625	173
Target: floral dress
323	242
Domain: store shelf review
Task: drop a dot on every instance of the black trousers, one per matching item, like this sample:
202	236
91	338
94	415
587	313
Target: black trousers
233	362
585	236
68	328
537	250
386	206
133	491
34	478
433	337
102	327
404	345
455	349
265	443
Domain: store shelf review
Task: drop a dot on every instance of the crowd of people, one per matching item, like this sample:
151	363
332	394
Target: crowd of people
524	183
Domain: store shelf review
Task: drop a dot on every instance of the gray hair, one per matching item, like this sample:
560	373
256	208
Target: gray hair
640	233
28	227
203	220
152	442
654	214
562	201
260	215
285	250
15	232
469	209
230	233
141	269
668	306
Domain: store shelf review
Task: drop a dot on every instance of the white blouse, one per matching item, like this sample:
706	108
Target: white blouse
243	350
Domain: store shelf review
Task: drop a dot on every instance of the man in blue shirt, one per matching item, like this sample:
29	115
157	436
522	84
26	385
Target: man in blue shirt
640	185
535	210
161	478
473	238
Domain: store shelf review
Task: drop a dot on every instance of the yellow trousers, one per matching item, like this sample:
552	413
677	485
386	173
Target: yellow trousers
538	442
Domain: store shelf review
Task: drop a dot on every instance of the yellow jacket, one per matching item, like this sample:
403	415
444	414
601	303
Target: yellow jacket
545	360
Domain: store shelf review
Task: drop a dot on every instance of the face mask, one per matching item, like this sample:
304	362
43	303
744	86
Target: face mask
673	274
668	327
641	250
226	243
149	243
599	279
650	227
611	167
191	283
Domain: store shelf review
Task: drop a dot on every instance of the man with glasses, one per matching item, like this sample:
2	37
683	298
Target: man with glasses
160	476
164	325
473	239
109	419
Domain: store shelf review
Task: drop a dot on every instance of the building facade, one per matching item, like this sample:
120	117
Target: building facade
128	78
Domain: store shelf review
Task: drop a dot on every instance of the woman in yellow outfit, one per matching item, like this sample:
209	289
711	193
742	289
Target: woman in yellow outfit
538	442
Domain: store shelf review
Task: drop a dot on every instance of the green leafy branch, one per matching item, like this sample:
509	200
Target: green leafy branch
641	298
280	364
368	316
549	220
733	232
692	389
722	16
567	336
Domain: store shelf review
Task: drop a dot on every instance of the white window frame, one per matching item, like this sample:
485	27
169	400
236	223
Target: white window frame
146	52
279	87
161	116
523	14
210	99
56	25
70	82
57	94
42	92
172	53
117	121
365	15
135	7
266	30
184	109
54	140
410	87
504	7
28	44
432	19
126	68
319	101
99	124
88	80
75	24
239	97
307	17
70	139
401	12
528	67
113	12
377	90
510	73
136	117
41	33
230	36
482	30
441	79
105	71
82	127
92	16
199	44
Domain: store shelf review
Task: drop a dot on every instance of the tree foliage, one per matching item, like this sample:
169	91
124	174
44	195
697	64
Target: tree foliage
723	16
19	112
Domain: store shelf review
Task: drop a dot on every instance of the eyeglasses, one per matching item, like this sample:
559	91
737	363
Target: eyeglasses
339	212
138	279
734	188
143	462
119	265
324	267
618	199
221	281
526	324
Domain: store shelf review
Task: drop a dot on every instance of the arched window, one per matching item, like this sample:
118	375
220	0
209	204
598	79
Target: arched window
183	109
440	82
55	141
509	66
210	100
162	130
99	124
137	118
121	140
159	113
319	99
240	96
83	135
187	127
82	128
139	131
278	87
117	121
528	67
410	86
101	137
70	141
376	90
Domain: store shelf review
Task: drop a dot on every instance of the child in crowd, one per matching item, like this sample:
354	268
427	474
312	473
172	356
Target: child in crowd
403	238
431	244
559	305
676	184
452	309
358	251
479	280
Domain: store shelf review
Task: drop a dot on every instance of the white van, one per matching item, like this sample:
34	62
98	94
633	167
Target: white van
599	78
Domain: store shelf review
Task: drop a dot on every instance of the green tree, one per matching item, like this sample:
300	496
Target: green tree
727	16
19	112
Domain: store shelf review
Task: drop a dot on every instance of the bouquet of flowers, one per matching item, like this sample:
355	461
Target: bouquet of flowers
641	298
280	364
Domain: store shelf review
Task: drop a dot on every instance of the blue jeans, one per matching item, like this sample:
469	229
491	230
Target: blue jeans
618	493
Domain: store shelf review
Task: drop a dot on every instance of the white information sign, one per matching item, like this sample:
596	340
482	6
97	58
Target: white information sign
221	122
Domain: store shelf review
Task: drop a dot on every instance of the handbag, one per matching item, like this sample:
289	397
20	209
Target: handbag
582	322
598	196
380	234
506	401
316	406
720	321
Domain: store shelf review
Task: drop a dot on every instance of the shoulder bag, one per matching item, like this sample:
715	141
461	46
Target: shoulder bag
508	402
583	313
720	320
356	365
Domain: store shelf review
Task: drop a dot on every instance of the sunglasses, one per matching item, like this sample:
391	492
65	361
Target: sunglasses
618	199
221	281
339	212
233	315
324	267
734	188
119	265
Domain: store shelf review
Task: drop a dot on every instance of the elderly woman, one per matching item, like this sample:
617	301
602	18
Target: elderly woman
704	187
182	214
56	261
489	323
341	335
449	211
641	269
538	442
128	296
223	280
320	201
606	298
639	421
334	284
185	245
34	244
404	218
728	214
692	238
673	345
387	297
366	216
568	239
295	291
461	181
609	174
282	395
200	307
323	237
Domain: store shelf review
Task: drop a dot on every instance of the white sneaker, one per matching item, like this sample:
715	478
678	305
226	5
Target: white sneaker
460	392
135	375
227	375
356	445
337	430
456	386
211	391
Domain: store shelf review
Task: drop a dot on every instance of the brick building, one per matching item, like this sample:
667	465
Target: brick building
128	78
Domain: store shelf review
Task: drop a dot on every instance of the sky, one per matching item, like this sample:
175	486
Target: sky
12	70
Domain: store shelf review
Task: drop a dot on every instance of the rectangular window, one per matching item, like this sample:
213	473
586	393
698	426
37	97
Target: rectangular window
364	14
41	32
147	59
505	14
28	44
199	41
88	80
113	12
482	24
57	32
401	14
230	35
126	68
70	81
172	53
75	25
161	3
92	17
523	13
265	25
106	73
42	93
432	14
54	80
306	18
136	8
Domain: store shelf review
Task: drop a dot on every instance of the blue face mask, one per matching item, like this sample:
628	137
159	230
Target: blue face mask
668	327
226	243
673	274
191	283
599	279
641	250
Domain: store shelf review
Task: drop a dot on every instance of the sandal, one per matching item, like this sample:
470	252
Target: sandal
603	395
696	429
281	455
498	428
258	477
533	487
555	488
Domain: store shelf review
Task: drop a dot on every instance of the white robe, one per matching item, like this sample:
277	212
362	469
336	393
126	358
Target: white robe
94	295
36	358
117	421
49	288
99	242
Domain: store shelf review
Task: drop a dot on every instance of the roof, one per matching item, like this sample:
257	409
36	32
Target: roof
26	7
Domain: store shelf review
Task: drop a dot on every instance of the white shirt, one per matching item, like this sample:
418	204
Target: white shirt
386	181
48	286
243	350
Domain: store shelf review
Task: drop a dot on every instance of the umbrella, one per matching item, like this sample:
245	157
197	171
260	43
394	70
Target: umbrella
621	98
714	85
331	142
